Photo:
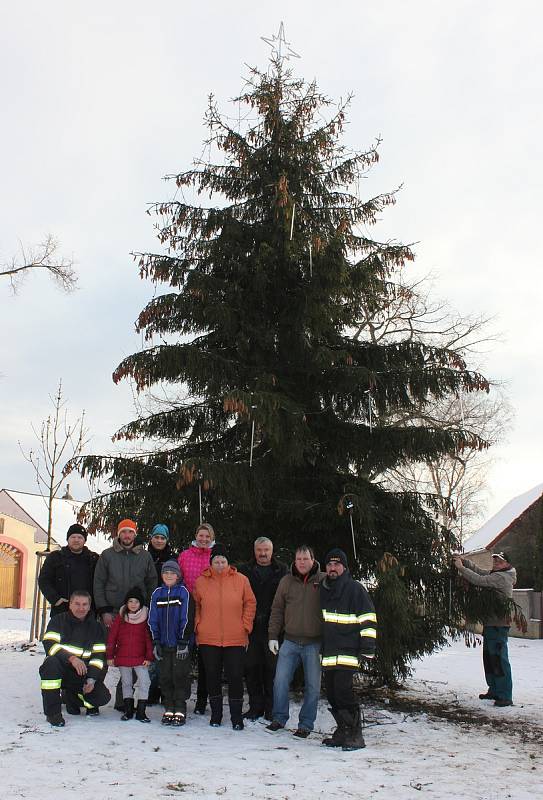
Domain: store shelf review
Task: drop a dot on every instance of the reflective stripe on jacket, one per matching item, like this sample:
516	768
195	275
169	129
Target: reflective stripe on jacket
68	636
350	623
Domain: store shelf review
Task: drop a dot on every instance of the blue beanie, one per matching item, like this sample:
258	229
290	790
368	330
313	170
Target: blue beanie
160	530
172	566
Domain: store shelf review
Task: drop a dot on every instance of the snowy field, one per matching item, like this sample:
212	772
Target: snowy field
408	755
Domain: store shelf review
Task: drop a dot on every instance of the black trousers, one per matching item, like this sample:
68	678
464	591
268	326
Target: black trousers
174	680
259	674
201	690
56	675
233	661
339	688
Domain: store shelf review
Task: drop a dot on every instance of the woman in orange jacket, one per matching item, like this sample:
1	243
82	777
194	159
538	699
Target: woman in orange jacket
225	610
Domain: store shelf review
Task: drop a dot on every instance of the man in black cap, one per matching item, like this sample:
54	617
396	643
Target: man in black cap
349	634
68	570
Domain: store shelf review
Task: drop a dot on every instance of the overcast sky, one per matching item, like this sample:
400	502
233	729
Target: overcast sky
100	101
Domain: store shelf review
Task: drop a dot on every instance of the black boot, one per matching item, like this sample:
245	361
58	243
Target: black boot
253	714
128	708
141	716
353	729
154	695
200	707
73	706
119	699
52	706
236	716
56	720
216	711
337	739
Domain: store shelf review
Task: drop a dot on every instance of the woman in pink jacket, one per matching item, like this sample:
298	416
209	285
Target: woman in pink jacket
193	561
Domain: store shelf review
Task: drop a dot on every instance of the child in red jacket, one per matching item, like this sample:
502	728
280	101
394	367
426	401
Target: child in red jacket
130	648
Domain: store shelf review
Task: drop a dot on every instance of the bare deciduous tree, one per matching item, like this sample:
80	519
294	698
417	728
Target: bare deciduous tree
456	481
59	441
44	256
408	311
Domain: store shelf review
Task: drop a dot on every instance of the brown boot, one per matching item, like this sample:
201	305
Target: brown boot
353	729
337	739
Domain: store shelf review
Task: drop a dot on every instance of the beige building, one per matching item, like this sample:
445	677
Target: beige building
23	534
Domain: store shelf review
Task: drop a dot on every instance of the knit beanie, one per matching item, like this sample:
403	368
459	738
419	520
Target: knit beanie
336	555
160	530
126	524
171	566
134	594
218	549
77	529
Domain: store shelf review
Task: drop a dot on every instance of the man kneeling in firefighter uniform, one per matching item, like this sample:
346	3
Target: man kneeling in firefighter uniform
349	634
75	664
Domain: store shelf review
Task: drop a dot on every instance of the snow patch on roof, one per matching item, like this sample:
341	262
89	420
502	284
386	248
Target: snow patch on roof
64	514
500	521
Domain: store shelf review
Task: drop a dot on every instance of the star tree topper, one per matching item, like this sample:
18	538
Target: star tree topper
280	48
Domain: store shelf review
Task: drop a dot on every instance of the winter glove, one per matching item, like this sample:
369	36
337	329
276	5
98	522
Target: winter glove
157	651
182	651
273	645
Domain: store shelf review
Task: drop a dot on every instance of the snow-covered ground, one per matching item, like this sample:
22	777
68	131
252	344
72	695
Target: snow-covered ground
407	756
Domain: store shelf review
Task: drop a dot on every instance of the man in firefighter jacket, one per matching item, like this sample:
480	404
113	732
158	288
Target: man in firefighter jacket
349	633
75	662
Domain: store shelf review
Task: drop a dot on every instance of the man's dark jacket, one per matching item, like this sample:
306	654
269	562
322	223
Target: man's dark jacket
350	624
68	636
264	585
160	557
63	572
120	569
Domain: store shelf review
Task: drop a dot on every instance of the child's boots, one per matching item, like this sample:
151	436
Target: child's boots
141	716
128	708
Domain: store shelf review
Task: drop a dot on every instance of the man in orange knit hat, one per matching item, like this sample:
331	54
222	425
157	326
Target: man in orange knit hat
121	567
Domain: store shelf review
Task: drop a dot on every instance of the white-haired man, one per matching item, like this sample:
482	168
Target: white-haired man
264	573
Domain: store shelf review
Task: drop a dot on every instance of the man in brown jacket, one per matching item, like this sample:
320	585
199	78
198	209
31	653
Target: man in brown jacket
296	613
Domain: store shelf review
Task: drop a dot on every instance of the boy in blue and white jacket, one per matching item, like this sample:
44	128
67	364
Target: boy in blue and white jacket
171	620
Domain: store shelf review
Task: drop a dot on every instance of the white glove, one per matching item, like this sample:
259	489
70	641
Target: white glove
273	644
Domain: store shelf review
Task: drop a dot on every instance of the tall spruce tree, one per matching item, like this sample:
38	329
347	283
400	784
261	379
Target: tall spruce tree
282	419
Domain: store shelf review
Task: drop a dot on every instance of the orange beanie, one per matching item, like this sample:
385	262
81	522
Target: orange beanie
126	524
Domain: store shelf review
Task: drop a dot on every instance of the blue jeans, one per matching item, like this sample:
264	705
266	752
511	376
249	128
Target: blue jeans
496	662
290	655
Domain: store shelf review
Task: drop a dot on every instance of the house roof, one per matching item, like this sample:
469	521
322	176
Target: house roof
32	509
498	525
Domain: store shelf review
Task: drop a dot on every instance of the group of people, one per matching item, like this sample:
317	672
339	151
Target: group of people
147	611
